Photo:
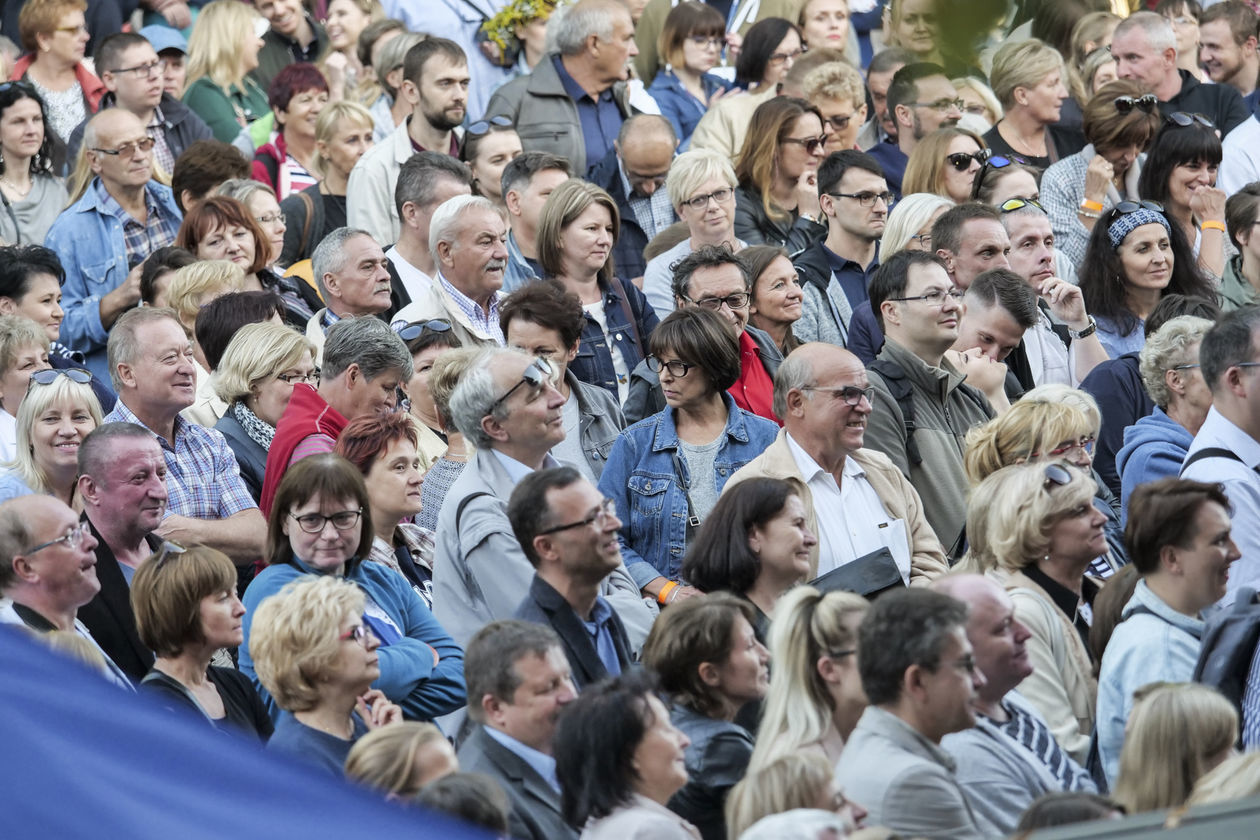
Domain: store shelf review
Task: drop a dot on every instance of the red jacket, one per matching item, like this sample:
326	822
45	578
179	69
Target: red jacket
93	88
306	415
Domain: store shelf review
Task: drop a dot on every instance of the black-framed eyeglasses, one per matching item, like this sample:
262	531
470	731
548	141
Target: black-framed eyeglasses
961	161
700	202
49	375
535	376
144	71
705	41
811	144
736	301
72	538
481	127
941	104
1185	120
128	149
851	394
839	123
1124	208
294	378
936	297
1055	475
840	654
1013	204
342	520
675	367
966	663
1145	103
603	514
1184	367
415	329
866	199
924	239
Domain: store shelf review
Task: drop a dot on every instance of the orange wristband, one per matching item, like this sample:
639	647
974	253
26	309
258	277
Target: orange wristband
662	597
1210	225
1096	206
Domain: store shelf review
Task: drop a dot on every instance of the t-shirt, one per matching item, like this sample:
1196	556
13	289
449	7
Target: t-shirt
328	752
700	466
596	311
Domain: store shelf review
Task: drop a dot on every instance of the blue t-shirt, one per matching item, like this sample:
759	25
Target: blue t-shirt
328	752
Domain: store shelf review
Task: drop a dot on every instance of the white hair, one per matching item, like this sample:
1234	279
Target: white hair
447	219
1157	29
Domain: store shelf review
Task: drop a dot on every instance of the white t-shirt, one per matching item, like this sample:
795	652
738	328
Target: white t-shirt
596	311
415	281
8	436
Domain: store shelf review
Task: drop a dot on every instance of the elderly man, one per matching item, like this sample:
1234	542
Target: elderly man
920	676
350	269
1145	49
101	239
47	571
713	278
518	684
151	360
526	182
568	530
921	99
578	93
1010	757
132	72
509	411
425	181
122	482
856	501
468	238
365	363
435	83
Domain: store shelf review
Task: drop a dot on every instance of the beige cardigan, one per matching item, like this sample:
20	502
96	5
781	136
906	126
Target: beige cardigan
642	819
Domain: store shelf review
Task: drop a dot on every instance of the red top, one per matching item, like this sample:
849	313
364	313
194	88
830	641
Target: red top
307	415
754	390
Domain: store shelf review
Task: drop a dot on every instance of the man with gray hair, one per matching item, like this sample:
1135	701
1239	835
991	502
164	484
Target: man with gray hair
468	239
151	365
365	363
425	181
856	500
578	92
509	411
1145	50
350	270
526	182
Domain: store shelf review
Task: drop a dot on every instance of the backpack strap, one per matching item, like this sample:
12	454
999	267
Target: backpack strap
1210	452
309	204
463	503
899	386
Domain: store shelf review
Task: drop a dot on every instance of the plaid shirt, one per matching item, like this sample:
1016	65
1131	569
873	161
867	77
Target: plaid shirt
203	480
654	213
140	240
488	323
161	150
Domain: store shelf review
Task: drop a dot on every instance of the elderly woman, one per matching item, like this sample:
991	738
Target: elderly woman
57	413
777	199
186	608
777	297
1179	539
1240	285
619	760
296	96
320	526
1156	445
401	759
691	45
488	147
317	654
945	163
255	377
711	664
23	351
1030	81
755	544
222	50
577	234
909	226
665	472
384	449
815	696
445	374
790	782
32	196
426	341
1033	529
701	187
1119	122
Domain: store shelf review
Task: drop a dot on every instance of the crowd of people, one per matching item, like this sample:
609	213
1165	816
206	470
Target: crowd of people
624	419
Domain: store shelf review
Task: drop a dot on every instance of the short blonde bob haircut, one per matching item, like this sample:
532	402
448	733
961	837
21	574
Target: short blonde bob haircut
166	595
1030	427
385	758
914	212
1176	733
837	80
797	780
199	283
1167	348
256	353
1010	515
294	637
691	170
62	391
1024	64
214	47
18	333
568	201
925	170
334	118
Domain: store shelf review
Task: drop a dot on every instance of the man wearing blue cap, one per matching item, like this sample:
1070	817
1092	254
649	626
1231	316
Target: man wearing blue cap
173	49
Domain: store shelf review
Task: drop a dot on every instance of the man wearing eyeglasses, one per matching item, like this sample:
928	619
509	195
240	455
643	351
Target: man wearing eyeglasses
47	571
568	531
923	408
133	75
921	99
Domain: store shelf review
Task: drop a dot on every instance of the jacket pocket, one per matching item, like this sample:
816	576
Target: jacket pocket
647	495
545	132
98	277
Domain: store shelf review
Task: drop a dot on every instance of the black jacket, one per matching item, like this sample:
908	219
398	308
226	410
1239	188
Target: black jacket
754	225
250	456
182	127
1222	104
544	605
109	617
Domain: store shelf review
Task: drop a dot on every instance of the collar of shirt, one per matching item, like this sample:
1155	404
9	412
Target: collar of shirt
515	255
600	615
515	469
299	52
653	212
809	467
541	763
839	263
1065	599
576	92
1218	428
468	306
110	204
330	318
126	415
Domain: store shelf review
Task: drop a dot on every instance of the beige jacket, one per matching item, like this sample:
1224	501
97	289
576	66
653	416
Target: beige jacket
724	126
641	819
901	501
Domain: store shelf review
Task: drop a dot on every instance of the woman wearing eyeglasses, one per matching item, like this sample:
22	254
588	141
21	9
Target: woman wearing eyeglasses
666	471
1033	529
944	163
343	133
1030	80
488	147
690	45
58	412
1119	122
255	377
777	199
32	196
186	609
320	528
260	200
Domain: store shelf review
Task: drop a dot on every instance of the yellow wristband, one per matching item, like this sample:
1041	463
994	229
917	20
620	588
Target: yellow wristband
1096	206
662	597
1210	225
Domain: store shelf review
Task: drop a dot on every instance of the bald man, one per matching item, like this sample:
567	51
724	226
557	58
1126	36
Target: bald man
1010	757
858	501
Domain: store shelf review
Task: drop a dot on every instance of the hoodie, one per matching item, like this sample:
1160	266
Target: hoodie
1154	448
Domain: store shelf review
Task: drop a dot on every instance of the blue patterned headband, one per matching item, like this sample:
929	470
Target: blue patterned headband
1128	222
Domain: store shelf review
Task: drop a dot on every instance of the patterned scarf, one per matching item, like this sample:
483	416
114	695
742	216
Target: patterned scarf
260	431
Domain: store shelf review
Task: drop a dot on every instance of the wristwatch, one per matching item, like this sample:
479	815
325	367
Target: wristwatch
1085	333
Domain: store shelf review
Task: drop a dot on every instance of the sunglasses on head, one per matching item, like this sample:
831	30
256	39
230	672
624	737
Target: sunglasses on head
483	126
1183	119
990	161
961	161
1013	204
1124	208
49	376
1056	475
414	330
1145	103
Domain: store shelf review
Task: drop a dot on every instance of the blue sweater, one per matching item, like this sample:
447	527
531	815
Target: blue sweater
1154	448
408	675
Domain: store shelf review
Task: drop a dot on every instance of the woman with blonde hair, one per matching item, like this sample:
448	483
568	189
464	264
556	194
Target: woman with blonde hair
1030	81
577	235
789	782
909	225
24	346
1237	777
222	50
401	759
777	199
981	104
1177	733
815	696
945	163
59	411
445	374
1034	530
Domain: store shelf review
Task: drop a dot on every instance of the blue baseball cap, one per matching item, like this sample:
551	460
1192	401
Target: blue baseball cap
164	38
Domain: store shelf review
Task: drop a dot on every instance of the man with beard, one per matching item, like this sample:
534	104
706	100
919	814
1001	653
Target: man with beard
921	99
435	82
1227	37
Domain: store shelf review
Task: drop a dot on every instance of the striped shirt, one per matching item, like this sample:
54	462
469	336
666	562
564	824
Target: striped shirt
1033	734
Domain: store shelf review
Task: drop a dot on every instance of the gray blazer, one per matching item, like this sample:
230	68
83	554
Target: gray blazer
535	804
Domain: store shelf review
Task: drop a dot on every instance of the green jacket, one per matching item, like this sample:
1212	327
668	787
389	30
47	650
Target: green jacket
1235	291
277	53
223	110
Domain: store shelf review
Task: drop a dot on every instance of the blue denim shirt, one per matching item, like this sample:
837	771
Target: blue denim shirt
520	270
593	363
651	503
681	108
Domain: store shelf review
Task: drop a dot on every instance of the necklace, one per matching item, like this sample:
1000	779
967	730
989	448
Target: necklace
21	193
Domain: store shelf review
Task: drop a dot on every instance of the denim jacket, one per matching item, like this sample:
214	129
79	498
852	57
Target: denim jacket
679	106
593	363
651	503
89	242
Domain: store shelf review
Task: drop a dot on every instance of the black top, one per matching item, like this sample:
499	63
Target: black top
1065	599
1065	141
244	711
334	212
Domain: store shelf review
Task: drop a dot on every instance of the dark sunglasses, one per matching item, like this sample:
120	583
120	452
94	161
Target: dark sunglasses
535	376
483	126
1056	475
1145	103
962	160
811	144
48	377
1124	208
1185	120
414	330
